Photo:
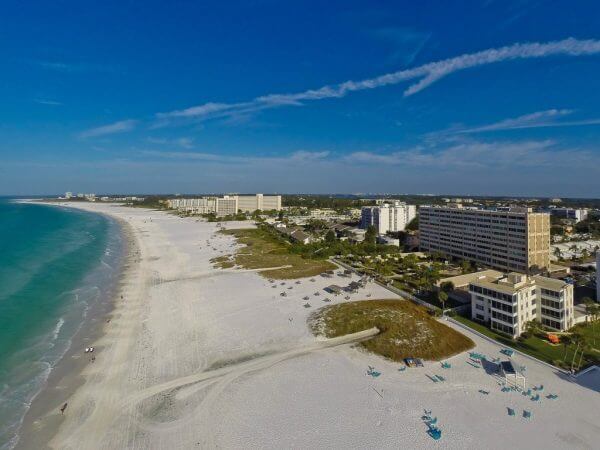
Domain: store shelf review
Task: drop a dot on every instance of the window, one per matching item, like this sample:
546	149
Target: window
479	307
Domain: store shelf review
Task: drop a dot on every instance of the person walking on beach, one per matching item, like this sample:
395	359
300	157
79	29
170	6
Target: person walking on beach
62	410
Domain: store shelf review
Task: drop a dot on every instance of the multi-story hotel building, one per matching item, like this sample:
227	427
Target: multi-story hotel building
388	217
226	205
508	302
515	239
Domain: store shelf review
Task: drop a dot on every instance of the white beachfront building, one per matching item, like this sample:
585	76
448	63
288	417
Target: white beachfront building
226	205
388	216
508	302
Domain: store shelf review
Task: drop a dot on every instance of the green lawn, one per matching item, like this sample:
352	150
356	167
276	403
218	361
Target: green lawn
262	250
407	330
540	348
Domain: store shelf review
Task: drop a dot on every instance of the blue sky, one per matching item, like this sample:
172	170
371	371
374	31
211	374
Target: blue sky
489	97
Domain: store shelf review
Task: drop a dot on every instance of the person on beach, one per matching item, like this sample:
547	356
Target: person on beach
62	409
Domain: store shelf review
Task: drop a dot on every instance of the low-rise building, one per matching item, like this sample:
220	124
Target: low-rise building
508	302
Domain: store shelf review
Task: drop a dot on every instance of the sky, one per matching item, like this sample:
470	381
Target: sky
488	97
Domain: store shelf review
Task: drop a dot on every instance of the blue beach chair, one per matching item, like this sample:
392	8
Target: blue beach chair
435	433
511	412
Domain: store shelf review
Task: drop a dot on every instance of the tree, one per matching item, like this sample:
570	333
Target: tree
371	235
533	327
280	216
330	237
443	297
558	252
447	286
566	341
577	339
465	266
413	225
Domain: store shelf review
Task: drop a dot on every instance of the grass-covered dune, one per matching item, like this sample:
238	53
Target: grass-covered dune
407	330
263	250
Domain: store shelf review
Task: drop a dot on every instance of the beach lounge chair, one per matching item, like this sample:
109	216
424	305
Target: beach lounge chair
307	305
484	392
372	372
419	362
507	351
527	414
535	398
446	365
327	300
511	412
401	368
505	389
552	396
440	378
435	433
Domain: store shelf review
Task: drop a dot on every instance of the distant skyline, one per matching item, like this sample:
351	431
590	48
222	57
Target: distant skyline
492	98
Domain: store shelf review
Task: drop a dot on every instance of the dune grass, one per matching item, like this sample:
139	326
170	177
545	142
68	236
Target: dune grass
407	330
263	250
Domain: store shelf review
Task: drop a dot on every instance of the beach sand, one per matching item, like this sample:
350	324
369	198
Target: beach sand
197	357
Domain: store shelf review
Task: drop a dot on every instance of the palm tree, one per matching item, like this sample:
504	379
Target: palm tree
566	340
577	339
443	297
585	347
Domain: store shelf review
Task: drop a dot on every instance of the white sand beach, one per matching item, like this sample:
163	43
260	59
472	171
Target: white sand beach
197	357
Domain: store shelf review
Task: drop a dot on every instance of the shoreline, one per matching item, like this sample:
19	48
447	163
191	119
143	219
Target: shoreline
40	424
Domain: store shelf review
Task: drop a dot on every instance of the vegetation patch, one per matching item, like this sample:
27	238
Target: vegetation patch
223	262
407	330
263	250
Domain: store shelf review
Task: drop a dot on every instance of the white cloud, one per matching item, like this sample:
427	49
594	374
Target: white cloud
486	156
427	74
117	127
297	157
542	119
42	101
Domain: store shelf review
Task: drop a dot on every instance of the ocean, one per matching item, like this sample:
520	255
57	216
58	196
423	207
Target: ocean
55	265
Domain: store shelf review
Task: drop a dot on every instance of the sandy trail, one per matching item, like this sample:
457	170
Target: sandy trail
255	364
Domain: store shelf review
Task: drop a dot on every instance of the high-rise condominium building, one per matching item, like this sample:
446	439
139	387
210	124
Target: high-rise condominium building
507	303
570	213
515	239
250	203
388	216
226	205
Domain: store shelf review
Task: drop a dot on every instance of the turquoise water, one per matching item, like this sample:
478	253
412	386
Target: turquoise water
54	264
